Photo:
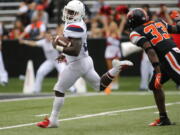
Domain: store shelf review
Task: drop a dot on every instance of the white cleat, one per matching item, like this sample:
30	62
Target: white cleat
53	125
121	64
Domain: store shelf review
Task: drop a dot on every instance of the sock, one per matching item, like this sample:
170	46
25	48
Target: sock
106	79
163	115
57	104
114	71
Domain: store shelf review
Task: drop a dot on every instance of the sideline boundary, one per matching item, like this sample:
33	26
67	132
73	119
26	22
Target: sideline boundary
85	94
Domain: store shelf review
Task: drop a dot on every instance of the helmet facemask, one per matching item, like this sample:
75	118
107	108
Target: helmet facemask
70	15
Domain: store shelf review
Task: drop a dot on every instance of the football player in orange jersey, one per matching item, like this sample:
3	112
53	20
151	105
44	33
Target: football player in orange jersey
154	38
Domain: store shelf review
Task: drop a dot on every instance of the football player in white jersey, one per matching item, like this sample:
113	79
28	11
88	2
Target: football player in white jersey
80	63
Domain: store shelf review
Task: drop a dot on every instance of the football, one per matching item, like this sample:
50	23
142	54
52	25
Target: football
62	41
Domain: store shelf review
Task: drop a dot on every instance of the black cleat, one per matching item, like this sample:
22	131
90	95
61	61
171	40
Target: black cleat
162	122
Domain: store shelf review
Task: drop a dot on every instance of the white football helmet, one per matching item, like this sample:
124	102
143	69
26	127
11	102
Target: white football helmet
74	11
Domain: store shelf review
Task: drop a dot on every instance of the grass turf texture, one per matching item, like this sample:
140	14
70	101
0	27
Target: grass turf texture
126	84
124	123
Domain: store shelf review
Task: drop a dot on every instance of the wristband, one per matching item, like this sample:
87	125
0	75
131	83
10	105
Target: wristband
59	48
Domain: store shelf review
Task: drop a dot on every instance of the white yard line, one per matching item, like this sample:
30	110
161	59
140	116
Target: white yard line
92	115
89	94
24	98
48	97
41	115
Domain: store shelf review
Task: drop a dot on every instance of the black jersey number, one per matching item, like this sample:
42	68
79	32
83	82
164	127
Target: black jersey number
158	37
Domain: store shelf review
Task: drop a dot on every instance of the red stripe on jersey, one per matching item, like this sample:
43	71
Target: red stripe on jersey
75	26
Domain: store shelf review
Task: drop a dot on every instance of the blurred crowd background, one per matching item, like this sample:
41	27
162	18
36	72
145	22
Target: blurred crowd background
32	18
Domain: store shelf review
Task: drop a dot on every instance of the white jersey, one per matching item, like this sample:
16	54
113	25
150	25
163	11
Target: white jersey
49	51
77	30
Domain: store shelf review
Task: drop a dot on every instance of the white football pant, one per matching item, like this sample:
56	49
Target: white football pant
74	70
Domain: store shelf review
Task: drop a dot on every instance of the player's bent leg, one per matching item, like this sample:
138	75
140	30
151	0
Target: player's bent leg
101	83
60	67
67	79
92	78
107	78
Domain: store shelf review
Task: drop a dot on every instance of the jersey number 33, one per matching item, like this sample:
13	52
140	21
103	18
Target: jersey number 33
154	29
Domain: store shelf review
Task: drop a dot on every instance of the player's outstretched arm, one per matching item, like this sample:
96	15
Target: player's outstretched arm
152	56
28	42
155	62
141	41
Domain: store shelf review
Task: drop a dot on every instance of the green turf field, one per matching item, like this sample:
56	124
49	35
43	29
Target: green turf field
115	123
121	113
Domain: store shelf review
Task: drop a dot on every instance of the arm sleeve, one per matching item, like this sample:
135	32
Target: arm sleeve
137	38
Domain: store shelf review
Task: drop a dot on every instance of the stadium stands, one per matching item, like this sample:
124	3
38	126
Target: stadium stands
9	8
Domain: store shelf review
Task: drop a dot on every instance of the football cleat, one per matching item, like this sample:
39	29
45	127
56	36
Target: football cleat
47	124
161	122
121	64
